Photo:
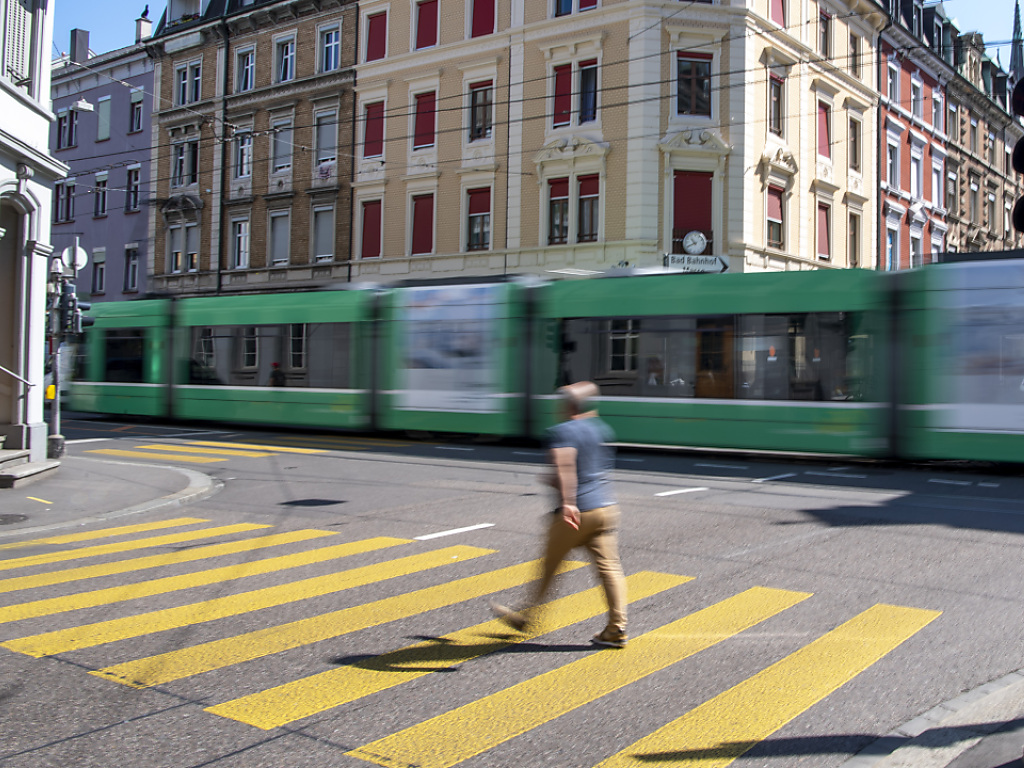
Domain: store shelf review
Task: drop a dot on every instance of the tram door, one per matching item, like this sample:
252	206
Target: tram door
715	358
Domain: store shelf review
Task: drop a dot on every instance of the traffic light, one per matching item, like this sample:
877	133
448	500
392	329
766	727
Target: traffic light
66	308
1017	101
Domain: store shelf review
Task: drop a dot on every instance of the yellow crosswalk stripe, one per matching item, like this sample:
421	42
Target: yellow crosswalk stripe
255	446
151	455
83	572
211	451
293	701
717	732
469	730
367	441
196	659
107	533
89	635
126	546
123	593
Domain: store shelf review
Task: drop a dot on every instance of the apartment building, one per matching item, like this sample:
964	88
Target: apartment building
253	136
27	174
103	105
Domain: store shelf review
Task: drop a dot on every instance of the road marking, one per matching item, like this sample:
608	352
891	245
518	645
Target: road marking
453	531
36	498
462	733
717	732
723	466
256	446
89	635
211	451
83	440
680	490
988	485
150	455
123	593
51	578
949	482
106	533
371	441
452	448
638	461
228	651
293	701
775	477
833	473
528	453
124	546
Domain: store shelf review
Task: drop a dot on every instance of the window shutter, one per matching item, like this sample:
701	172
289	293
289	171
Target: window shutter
589	185
103	120
423	224
426	24
18	39
558	188
824	139
586	5
479	201
483	17
279	226
779	12
424	131
775	203
373	131
323	233
376	36
371	229
823	238
692	201
563	95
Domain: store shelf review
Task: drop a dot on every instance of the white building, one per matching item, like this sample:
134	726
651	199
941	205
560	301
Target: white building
27	174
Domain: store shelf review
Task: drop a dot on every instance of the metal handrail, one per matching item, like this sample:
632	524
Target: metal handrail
16	376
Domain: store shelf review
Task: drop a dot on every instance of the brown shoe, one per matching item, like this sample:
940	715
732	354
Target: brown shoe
610	639
514	619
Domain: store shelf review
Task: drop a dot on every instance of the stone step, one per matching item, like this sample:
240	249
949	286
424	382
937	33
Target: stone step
27	472
12	458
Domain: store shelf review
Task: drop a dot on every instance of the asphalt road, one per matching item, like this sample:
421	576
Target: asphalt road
782	613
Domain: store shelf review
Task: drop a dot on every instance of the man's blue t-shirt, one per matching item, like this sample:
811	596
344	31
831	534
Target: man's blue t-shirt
594	458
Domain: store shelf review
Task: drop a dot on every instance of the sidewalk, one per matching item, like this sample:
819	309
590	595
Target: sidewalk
85	490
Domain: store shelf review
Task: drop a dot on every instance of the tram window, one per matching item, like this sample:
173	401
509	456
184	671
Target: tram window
124	358
291	355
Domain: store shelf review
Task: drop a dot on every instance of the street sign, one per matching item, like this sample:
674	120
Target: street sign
708	265
74	258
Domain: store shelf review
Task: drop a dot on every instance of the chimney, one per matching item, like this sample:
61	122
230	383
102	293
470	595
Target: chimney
143	29
79	45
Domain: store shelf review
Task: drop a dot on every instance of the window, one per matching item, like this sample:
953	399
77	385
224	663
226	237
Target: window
778	12
990	148
284	60
892	249
974	136
480	116
974	201
776	223
281	145
589	199
892	164
566	7
990	213
249	348
824	130
323	234
422	224
916	251
775	93
326	137
371	241
693	83
243	155
189	83
937	185
297	346
192	247
99	271
917	99
483	18
937	111
426	24
894	84
373	129
825	35
64	205
854	145
623	340
175	244
588	91
279	237
953	122
330	49
855	63
185	163
558	211
240	244
824	231
131	270
132	187
246	75
853	256
479	224
67	129
952	193
103	119
562	95
100	197
376	36
423	135
563	7
135	112
916	177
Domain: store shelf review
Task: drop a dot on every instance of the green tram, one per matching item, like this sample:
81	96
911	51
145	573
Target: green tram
774	362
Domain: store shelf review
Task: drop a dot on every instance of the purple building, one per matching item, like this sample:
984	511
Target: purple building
103	104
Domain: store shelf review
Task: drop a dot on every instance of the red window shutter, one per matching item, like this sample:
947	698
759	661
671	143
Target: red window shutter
371	229
558	188
589	185
692	202
376	36
563	95
824	139
479	201
775	203
586	5
423	224
779	12
483	17
424	133
426	24
373	136
823	238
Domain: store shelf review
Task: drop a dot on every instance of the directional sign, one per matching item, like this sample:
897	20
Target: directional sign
690	263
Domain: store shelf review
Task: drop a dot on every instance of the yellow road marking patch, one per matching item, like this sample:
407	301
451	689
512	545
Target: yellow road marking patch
149	455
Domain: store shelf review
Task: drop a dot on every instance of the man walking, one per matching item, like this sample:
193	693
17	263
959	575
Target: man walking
587	515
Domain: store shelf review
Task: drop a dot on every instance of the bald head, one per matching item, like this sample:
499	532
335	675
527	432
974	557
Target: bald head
579	397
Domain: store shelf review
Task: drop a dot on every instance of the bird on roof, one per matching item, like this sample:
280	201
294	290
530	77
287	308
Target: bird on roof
145	12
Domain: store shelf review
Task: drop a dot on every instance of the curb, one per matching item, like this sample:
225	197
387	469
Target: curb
943	733
200	486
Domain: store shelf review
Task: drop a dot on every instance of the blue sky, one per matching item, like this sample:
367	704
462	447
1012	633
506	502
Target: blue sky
111	23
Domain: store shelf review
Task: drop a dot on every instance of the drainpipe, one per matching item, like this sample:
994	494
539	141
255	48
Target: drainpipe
354	159
879	155
225	154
